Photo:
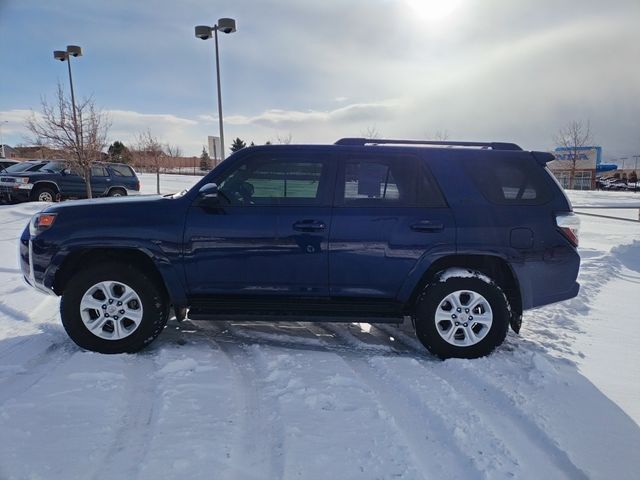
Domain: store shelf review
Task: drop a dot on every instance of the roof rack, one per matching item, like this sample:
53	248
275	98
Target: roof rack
386	141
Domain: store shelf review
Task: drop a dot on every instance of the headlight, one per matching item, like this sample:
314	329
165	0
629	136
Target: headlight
41	222
22	183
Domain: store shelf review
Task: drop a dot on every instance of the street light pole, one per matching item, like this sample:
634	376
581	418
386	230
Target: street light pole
215	32
1	140
203	32
72	51
73	100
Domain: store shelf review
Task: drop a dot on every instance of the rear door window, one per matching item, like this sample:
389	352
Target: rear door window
98	172
387	180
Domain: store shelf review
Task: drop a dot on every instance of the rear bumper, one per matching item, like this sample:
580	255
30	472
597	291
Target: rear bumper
549	280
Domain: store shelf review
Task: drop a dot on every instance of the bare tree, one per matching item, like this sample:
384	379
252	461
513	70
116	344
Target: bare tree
572	138
173	151
285	140
148	151
441	135
79	144
370	132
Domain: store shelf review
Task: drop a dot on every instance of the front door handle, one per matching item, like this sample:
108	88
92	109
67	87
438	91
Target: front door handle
309	226
427	226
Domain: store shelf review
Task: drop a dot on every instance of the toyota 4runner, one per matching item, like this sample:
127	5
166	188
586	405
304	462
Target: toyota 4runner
461	237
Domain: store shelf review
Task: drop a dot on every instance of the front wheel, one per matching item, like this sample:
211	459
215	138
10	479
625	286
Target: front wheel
113	308
45	194
463	316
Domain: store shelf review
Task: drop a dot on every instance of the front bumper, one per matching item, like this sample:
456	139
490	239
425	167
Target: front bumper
35	263
11	194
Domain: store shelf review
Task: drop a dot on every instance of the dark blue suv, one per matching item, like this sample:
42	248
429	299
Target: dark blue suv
461	237
49	180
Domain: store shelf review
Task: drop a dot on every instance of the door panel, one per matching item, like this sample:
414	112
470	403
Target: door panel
270	232
231	249
372	250
100	181
389	213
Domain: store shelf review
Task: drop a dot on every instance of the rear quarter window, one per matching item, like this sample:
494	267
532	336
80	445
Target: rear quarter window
510	181
121	171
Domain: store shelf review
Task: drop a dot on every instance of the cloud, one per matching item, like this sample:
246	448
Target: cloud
357	112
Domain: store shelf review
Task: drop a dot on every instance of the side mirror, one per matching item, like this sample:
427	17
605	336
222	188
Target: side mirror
208	194
66	171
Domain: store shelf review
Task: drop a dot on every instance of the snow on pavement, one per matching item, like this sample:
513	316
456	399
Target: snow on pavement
261	400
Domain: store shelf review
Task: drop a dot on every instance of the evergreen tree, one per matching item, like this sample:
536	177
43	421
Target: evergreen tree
205	161
119	153
237	145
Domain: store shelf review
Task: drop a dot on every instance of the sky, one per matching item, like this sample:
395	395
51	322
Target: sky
316	71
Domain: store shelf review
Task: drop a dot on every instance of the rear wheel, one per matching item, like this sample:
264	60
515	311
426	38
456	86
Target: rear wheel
117	192
462	316
113	308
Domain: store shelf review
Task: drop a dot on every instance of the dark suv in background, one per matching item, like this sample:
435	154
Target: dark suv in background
50	180
461	237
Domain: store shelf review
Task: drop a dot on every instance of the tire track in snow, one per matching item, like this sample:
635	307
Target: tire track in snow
34	370
261	442
423	429
503	414
535	445
468	441
126	454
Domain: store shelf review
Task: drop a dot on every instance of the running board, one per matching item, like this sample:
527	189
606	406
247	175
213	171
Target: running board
258	317
295	309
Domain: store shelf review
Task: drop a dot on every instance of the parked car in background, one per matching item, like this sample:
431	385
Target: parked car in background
47	181
5	163
461	237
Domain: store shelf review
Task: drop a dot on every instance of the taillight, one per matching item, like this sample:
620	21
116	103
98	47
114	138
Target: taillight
569	225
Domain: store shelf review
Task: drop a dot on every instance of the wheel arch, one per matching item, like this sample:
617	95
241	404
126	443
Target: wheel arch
81	258
44	183
115	187
493	266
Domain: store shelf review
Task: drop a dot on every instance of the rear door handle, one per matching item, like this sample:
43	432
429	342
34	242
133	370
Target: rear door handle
427	226
309	226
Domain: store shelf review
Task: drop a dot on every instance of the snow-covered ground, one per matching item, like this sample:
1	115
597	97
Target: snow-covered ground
249	401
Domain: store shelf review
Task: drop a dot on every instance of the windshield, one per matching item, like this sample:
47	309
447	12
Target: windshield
24	167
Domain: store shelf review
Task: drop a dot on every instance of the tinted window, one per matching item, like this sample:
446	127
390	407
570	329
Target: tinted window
25	166
54	167
511	182
121	170
370	180
98	172
273	181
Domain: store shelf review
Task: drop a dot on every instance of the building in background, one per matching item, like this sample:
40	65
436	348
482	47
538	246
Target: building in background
215	152
586	165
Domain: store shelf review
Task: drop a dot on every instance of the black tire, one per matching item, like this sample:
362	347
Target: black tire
432	298
42	192
117	192
155	308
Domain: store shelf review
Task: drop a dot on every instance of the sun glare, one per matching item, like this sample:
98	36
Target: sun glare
433	10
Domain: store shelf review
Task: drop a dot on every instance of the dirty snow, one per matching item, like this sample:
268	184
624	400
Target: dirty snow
298	400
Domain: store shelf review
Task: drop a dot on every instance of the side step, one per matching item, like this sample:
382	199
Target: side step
295	309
